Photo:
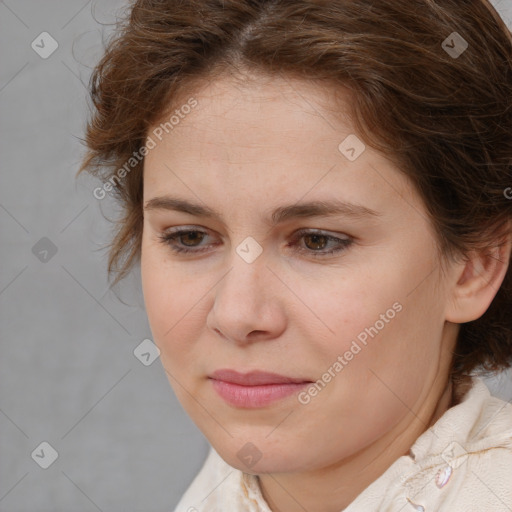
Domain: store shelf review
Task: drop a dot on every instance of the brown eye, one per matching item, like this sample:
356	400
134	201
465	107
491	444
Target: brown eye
191	236
184	240
318	242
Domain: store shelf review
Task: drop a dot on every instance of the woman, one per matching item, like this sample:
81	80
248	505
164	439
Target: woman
319	195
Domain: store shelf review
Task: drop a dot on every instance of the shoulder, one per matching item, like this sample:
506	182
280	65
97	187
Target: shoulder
464	462
464	478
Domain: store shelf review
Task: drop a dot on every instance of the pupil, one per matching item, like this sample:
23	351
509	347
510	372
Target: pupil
315	241
190	235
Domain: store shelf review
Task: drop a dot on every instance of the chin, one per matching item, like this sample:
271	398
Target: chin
250	459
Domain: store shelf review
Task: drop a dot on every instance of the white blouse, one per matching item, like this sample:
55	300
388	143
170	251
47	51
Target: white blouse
462	463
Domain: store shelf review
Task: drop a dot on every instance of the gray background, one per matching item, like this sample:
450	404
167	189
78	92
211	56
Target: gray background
68	373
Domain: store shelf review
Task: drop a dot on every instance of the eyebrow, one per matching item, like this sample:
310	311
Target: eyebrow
298	210
309	209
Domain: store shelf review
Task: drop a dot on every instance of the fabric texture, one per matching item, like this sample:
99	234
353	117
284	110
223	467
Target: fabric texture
468	449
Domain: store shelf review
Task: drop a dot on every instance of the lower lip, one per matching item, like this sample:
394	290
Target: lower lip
255	396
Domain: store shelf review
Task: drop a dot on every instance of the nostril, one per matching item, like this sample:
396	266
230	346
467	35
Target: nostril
255	333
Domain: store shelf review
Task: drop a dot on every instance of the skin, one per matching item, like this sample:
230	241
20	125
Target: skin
246	149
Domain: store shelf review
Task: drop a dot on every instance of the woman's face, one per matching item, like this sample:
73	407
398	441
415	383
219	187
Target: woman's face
365	322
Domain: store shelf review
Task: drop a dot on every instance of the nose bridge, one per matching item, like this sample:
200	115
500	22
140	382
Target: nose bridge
248	271
244	301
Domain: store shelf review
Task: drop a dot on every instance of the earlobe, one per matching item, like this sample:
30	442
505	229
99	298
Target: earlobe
477	283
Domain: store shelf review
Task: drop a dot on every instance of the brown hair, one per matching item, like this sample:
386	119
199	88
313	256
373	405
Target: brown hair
445	119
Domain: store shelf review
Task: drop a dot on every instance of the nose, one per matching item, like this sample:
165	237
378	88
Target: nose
248	302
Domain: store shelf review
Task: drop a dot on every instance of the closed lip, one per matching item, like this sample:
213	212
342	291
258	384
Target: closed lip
254	378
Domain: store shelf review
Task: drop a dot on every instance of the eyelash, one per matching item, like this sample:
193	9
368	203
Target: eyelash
169	239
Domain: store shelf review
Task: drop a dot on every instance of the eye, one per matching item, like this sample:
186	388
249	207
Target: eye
189	238
188	241
316	242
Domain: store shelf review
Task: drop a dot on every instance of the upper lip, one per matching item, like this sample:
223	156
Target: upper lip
253	378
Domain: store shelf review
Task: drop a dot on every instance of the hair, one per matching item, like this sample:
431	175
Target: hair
445	120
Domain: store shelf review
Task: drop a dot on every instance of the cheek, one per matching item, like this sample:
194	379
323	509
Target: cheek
377	322
358	307
163	291
166	305
154	288
176	310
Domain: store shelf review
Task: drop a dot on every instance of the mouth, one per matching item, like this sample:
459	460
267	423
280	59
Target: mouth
256	388
254	378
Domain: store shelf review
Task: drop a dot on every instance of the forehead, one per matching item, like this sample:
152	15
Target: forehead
275	138
249	108
260	119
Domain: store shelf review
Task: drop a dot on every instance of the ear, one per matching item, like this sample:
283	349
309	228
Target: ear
477	281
